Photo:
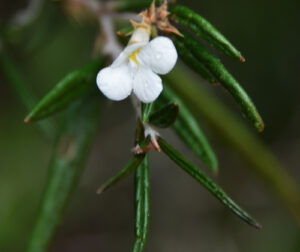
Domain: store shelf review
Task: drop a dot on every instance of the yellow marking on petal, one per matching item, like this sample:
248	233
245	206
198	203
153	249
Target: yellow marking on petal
133	55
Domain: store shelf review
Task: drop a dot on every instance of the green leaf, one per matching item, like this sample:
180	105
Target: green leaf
147	109
230	129
132	5
126	171
165	116
225	78
70	88
126	31
188	129
189	59
141	205
68	159
202	28
203	179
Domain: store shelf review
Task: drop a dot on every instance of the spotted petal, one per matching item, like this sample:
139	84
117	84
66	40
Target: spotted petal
115	82
159	54
147	85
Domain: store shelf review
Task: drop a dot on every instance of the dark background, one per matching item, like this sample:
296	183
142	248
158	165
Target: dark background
184	216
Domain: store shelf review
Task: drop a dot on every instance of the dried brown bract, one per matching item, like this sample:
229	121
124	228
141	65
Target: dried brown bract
159	17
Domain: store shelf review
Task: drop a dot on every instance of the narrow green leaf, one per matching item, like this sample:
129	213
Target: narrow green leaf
141	205
127	170
188	129
204	180
165	116
147	109
202	28
125	31
190	60
70	154
132	5
243	141
70	88
225	78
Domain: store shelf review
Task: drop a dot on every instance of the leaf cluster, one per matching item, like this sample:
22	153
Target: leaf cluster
177	108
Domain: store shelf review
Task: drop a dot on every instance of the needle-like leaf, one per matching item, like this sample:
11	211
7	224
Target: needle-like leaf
244	142
225	78
189	59
141	205
147	109
204	29
125	31
188	129
67	162
165	116
204	180
70	88
127	170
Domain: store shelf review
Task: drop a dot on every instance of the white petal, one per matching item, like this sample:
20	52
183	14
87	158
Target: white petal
147	85
159	54
115	82
124	55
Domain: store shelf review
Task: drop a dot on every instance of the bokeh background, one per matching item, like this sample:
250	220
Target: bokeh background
184	216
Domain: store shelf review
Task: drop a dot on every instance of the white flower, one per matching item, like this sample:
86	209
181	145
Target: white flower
137	68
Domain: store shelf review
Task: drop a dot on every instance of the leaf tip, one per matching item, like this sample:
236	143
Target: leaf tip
254	224
242	59
260	127
27	119
258	226
100	190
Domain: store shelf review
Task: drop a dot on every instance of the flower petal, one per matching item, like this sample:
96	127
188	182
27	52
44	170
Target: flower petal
123	58
147	85
159	54
115	82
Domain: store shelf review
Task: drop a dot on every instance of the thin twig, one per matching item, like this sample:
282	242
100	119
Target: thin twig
112	47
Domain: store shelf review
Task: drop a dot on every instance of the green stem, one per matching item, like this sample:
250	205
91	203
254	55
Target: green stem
147	109
141	205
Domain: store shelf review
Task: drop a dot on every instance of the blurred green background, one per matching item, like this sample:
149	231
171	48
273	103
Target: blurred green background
184	217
